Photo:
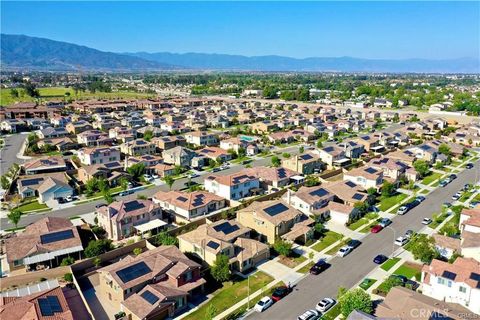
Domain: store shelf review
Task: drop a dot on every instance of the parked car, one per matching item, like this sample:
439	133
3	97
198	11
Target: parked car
473	204
376	228
325	304
309	315
452	177
401	241
100	205
318	267
69	198
379	259
263	304
344	251
280	292
125	193
469	165
155	176
385	222
420	198
193	175
354	243
413	204
456	196
402	210
466	187
447	204
216	169
443	183
426	221
409	234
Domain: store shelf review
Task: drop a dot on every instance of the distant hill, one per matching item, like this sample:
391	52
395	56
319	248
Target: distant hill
340	64
23	52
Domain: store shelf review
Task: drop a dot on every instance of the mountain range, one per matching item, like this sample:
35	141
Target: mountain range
31	53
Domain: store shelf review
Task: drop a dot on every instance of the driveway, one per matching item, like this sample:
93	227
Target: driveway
279	271
348	271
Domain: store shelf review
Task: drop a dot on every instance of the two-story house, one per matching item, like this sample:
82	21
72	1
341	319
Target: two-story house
234	186
138	147
99	155
202	138
366	177
305	163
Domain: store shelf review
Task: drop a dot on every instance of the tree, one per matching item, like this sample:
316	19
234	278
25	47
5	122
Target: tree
444	149
97	247
422	167
67	261
31	90
169	181
220	270
276	161
319	144
124	183
356	299
107	195
211	312
301	149
164	239
362	207
312	181
390	283
388	189
136	171
137	251
14	216
283	248
91	186
371	191
148	135
423	249
4	182
68	277
14	93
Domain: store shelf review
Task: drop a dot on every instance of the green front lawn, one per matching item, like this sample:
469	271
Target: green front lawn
438	219
231	293
330	238
367	283
333	313
306	268
294	260
369	227
465	196
409	272
357	224
431	177
387	203
34	205
387	265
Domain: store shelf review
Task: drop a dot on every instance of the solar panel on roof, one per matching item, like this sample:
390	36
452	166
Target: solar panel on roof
133	272
475	276
56	236
183	199
276	209
306	157
350	184
49	305
31	182
133	205
358	196
319	192
226	228
282	173
213	245
449	275
370	170
150	297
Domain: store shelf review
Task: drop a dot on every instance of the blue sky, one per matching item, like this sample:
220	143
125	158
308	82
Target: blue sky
397	30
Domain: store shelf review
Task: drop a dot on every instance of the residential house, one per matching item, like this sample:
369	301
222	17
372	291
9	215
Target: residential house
101	171
225	237
457	282
62	144
43	244
11	125
264	126
347	192
100	155
188	205
333	156
276	219
46	187
78	126
215	153
92	138
169	142
305	163
121	219
352	149
271	177
202	138
366	177
234	186
138	147
470	233
45	165
152	285
50	132
179	156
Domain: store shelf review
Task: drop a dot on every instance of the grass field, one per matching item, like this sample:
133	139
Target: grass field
34	205
387	203
306	268
387	265
332	313
231	293
431	177
58	93
330	238
357	224
408	271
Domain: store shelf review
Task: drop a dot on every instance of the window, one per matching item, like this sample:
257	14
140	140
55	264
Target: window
449	283
462	289
440	281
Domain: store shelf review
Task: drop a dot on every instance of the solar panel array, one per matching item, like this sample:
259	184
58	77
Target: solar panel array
358	196
56	236
350	184
31	182
226	228
149	297
133	272
320	192
282	173
49	305
183	199
306	157
133	205
213	245
449	275
276	209
476	277
198	200
237	179
370	170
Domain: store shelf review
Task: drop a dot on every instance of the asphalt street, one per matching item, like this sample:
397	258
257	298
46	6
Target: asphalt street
347	271
8	154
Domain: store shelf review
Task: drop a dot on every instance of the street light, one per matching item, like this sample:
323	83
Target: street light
394	237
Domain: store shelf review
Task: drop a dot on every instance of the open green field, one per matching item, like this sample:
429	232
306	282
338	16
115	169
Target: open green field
387	203
231	293
387	265
58	93
330	238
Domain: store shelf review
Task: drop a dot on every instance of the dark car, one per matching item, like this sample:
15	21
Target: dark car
380	259
403	279
469	165
100	205
452	176
413	203
354	243
280	292
318	267
447	204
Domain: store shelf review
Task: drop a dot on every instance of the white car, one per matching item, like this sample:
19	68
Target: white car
309	315
456	196
325	304
402	210
401	241
344	251
69	198
426	221
155	176
263	304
